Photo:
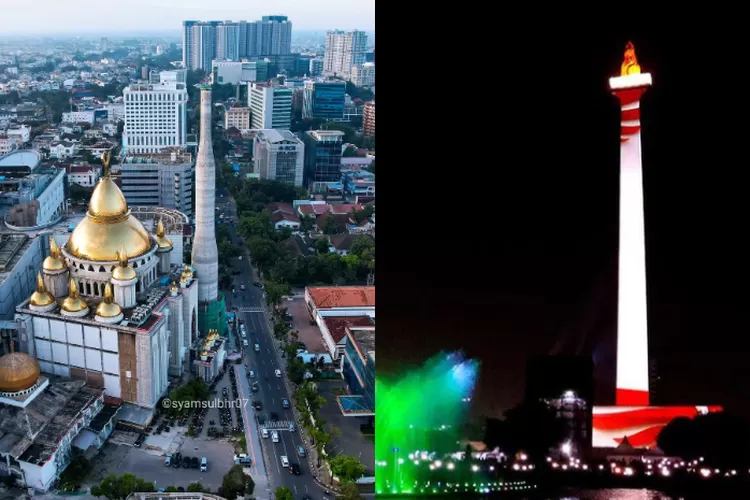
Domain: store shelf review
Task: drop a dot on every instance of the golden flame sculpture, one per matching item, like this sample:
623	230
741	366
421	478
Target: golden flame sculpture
630	64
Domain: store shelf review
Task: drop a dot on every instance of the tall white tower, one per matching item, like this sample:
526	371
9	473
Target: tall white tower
632	321
205	254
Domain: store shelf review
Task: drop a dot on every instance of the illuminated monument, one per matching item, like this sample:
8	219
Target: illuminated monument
633	417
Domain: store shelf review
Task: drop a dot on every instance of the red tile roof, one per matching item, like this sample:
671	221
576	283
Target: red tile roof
337	325
317	209
280	216
345	208
327	297
280	207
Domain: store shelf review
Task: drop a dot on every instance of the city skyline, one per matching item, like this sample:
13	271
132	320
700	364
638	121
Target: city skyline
53	18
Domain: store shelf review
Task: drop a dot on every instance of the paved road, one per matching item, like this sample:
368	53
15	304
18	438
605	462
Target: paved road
271	389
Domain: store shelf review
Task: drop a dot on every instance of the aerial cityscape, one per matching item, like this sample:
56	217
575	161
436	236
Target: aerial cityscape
187	256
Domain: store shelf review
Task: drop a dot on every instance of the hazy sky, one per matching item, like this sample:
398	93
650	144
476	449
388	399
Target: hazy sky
21	17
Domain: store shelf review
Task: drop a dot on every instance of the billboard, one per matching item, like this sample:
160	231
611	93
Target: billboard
640	424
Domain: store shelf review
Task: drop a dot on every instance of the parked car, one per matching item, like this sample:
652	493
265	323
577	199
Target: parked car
186	462
204	464
167	461
195	463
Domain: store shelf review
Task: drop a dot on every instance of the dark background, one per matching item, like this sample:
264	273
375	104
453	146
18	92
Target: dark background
498	234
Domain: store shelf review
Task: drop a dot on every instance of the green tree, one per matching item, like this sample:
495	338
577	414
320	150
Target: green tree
330	226
350	152
295	368
346	468
275	292
307	396
116	487
322	245
284	493
307	222
171	489
263	252
349	491
75	472
284	270
195	487
236	483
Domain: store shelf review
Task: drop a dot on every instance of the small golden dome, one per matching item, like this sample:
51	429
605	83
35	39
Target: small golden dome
123	271
174	286
18	372
73	302
204	353
107	200
108	308
161	236
53	262
41	297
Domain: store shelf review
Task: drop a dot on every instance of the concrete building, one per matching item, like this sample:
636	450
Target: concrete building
238	117
209	356
22	133
279	155
342	51
30	195
324	99
368	121
271	106
316	67
358	369
155	115
85	175
104	310
238	72
42	418
228	41
164	180
322	158
78	117
8	144
364	75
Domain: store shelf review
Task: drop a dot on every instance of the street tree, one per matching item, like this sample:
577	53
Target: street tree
195	487
284	493
349	491
116	487
346	468
322	245
236	483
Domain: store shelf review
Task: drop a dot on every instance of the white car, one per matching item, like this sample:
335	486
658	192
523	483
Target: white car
275	437
257	347
278	373
251	374
284	461
264	433
244	342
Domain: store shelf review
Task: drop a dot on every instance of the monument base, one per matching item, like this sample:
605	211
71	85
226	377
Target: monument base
213	316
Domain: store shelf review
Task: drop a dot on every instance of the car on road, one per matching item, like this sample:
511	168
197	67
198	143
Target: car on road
275	437
257	405
284	461
251	374
257	347
242	287
285	403
204	464
300	451
295	469
264	433
278	373
167	461
245	343
292	428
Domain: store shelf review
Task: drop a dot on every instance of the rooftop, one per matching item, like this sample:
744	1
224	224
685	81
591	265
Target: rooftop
329	297
25	158
337	325
364	339
275	136
32	434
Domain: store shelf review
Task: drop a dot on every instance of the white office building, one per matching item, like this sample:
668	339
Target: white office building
343	51
78	117
364	76
279	155
155	115
164	180
270	105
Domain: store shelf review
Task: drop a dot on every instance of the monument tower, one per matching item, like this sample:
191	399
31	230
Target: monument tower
205	254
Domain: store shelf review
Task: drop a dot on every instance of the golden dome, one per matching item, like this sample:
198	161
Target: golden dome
107	200
74	303
174	286
161	238
108	227
18	372
123	271
53	262
41	297
108	308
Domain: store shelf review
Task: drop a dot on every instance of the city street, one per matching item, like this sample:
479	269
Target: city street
271	388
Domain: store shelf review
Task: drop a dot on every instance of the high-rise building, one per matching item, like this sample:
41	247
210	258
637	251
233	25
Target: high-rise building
228	41
324	99
368	119
344	50
163	179
236	72
104	44
155	114
322	158
279	155
271	106
204	41
364	76
316	67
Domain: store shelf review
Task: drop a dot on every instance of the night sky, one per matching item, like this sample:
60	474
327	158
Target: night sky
498	233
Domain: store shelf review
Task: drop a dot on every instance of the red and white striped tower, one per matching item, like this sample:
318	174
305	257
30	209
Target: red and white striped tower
632	321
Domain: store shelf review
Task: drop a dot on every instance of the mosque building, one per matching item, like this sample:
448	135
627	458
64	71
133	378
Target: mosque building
113	306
